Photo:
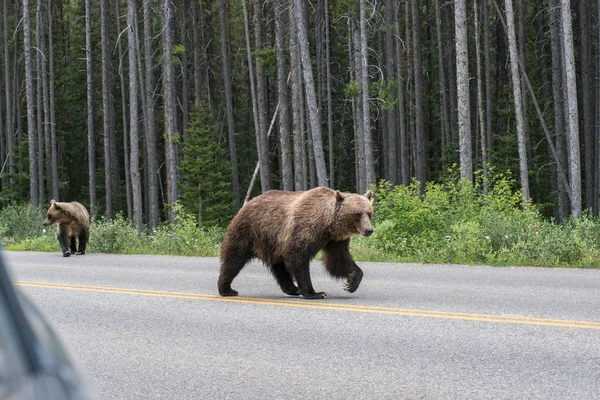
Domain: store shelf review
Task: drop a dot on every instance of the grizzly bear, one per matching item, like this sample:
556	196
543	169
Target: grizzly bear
285	230
73	223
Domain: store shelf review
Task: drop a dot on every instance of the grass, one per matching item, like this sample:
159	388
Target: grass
454	221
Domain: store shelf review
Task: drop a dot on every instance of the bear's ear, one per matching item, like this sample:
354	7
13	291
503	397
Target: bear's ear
55	205
52	202
339	196
369	195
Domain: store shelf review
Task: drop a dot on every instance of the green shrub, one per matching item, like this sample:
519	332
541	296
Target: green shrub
19	222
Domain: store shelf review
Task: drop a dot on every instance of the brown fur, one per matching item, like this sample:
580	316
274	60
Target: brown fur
285	230
73	224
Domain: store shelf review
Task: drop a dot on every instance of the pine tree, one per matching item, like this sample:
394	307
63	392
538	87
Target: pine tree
205	170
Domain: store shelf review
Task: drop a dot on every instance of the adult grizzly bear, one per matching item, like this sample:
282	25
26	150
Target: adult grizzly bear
73	223
286	230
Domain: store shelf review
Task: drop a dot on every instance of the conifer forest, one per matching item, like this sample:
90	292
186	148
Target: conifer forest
136	107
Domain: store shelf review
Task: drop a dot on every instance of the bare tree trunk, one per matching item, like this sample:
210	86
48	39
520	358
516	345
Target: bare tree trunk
418	70
126	138
480	108
151	137
587	95
390	153
572	116
105	108
559	114
516	83
53	150
370	178
256	118
10	134
40	107
169	108
329	99
229	108
311	97
31	131
359	126
185	110
282	92
445	110
297	108
136	188
403	144
462	80
261	97
90	109
197	45
488	79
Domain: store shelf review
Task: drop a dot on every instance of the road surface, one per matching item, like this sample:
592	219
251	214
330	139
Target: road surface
153	327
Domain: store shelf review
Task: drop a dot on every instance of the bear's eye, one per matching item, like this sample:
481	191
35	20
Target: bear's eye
48	216
357	215
369	215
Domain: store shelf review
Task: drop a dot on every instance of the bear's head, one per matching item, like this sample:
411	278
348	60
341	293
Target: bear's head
55	214
353	216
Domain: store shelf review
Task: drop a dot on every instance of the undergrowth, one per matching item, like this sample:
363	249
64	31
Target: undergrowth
453	221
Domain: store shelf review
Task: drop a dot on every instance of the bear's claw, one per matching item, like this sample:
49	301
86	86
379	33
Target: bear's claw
316	296
353	280
67	254
231	293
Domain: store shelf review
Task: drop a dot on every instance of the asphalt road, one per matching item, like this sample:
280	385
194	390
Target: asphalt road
152	327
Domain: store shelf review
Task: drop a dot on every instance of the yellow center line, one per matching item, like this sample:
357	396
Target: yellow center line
324	305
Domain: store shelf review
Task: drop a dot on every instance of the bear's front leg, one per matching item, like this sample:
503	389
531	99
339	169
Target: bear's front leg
353	280
65	243
302	276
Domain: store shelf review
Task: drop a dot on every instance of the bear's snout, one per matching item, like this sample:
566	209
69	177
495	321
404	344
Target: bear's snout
368	232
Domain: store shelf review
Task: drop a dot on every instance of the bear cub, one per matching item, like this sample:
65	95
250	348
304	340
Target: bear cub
286	230
73	223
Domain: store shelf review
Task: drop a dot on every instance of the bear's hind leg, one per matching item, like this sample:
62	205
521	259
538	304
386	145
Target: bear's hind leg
232	262
284	279
83	239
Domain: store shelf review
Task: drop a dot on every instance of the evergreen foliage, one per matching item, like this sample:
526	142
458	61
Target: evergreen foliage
205	170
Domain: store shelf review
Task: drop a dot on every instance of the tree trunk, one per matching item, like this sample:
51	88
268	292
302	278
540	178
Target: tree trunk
261	98
418	90
185	110
40	108
359	126
126	137
256	118
445	110
169	108
572	116
229	108
53	150
370	178
105	108
10	134
587	95
136	187
31	131
562	208
151	137
488	79
297	108
390	153
90	109
311	97
516	84
287	182
462	81
480	108
403	144
329	99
